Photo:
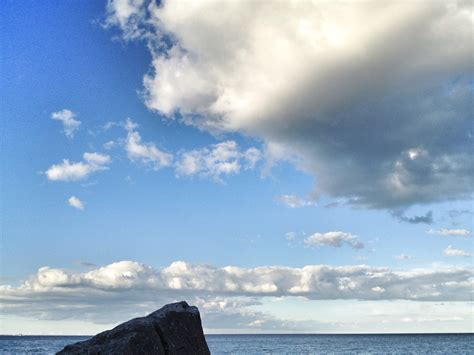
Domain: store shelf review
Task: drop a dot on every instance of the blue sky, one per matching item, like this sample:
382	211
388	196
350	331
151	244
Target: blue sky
219	169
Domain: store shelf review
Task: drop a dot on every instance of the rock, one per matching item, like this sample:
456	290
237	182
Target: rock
174	329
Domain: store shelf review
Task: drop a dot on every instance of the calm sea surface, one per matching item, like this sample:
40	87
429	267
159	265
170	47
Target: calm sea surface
283	344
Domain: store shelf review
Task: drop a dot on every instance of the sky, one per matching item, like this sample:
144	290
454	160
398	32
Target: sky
288	167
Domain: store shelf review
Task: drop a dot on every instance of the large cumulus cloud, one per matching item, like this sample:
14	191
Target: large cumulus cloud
372	98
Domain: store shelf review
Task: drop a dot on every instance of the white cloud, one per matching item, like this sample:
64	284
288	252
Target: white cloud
451	251
145	153
227	296
450	232
293	201
214	161
75	202
70	124
378	289
96	159
67	171
218	160
140	283
126	14
326	82
334	239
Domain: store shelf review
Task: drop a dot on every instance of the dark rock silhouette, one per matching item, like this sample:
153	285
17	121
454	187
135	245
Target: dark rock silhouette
174	329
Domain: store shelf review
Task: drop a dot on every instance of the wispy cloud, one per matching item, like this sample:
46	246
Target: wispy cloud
70	124
216	161
456	213
450	232
109	144
146	153
451	251
67	171
293	201
111	124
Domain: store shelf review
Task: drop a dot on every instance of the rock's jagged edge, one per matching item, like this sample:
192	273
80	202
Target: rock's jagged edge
173	329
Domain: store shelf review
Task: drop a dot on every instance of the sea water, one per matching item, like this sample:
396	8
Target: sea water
283	344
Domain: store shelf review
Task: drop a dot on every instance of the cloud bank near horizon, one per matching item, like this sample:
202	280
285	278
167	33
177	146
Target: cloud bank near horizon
230	297
55	293
351	92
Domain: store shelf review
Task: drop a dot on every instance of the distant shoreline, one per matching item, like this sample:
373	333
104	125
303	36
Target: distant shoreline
258	334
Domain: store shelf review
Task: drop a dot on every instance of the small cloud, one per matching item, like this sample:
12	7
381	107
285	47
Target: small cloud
426	219
334	239
450	251
378	289
257	323
146	153
293	201
70	125
67	171
217	160
75	202
450	232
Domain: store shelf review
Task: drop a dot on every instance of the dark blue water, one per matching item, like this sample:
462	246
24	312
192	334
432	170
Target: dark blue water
283	344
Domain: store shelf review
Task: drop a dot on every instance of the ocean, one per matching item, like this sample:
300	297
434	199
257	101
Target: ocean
283	344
